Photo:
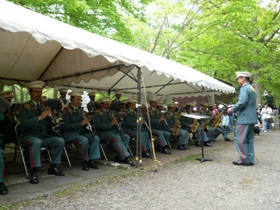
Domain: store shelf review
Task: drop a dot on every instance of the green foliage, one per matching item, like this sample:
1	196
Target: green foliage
105	18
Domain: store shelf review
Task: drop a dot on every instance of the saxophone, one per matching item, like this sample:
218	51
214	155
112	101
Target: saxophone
217	121
177	125
194	126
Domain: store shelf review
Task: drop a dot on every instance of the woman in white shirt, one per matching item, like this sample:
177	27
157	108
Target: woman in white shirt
266	117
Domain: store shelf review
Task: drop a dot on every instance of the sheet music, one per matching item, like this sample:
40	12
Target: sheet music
195	116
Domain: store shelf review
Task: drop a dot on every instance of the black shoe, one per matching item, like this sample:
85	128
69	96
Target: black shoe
33	179
207	144
55	171
240	164
128	161
3	189
186	148
197	144
146	155
229	140
165	151
181	147
251	164
92	164
85	166
213	140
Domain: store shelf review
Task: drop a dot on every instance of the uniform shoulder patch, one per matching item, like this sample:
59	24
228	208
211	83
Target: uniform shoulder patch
27	105
99	111
252	88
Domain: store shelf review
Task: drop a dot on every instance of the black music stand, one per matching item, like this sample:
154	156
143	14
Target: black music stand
201	118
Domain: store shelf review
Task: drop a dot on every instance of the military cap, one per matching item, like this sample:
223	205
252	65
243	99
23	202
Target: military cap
77	94
7	94
92	93
243	74
35	85
63	90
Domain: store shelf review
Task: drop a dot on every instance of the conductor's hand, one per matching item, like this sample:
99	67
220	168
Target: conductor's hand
229	110
44	114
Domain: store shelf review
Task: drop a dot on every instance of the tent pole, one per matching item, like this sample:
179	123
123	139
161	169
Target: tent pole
139	126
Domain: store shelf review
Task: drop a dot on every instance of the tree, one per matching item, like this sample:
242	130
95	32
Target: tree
105	18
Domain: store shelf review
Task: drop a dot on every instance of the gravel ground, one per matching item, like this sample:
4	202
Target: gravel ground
184	184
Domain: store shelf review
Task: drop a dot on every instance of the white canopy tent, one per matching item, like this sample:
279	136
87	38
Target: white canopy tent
36	47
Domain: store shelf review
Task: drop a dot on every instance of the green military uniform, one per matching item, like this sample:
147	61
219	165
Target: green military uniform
217	131
158	127
130	128
87	143
32	135
2	169
182	138
119	140
7	130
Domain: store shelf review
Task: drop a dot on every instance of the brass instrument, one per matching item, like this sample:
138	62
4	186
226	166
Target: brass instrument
177	125
206	125
194	126
217	121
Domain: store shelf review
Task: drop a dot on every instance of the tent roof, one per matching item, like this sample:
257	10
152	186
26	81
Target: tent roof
37	47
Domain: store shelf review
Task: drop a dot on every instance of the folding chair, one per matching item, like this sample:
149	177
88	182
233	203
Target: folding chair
22	149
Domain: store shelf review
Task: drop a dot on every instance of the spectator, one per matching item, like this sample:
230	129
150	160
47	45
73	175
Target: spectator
266	116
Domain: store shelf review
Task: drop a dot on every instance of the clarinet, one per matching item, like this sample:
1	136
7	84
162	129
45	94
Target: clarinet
87	127
118	125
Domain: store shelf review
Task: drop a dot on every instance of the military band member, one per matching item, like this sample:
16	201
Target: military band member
116	103
62	98
209	130
218	129
182	135
187	123
130	128
93	105
7	122
157	121
76	131
108	129
33	125
3	188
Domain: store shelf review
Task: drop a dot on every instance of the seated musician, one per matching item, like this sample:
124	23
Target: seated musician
77	129
191	125
108	129
3	188
218	129
157	122
206	110
33	125
130	128
115	105
93	105
7	122
62	98
174	125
